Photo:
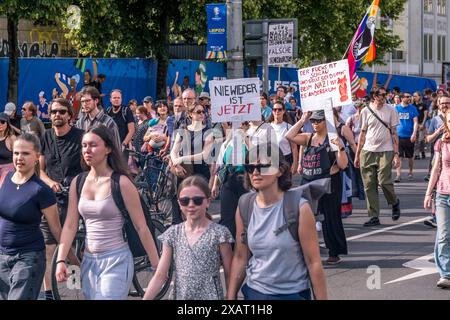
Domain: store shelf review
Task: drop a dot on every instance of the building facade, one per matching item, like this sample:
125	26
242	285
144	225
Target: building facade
424	28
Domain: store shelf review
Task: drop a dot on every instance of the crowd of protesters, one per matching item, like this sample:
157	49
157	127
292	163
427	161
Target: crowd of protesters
374	135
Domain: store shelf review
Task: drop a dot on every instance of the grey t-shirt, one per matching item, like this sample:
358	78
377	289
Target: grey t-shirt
277	265
378	137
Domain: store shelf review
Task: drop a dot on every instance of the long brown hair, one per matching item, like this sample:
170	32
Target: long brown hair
447	129
199	182
34	140
115	158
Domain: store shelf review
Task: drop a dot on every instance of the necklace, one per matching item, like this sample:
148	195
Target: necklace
21	184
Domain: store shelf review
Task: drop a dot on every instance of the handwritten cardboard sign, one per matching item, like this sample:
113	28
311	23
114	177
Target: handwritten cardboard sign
280	43
235	100
325	81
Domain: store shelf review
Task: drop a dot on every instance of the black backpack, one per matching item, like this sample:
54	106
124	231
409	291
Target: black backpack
311	191
129	232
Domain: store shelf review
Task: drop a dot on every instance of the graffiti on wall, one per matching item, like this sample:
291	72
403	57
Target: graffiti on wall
41	43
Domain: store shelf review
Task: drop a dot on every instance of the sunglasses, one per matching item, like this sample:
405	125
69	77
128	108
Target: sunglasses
24	109
250	168
381	95
316	120
407	97
277	109
60	111
184	202
200	112
2	122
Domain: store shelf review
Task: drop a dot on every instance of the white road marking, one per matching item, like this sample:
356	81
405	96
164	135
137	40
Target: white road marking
423	264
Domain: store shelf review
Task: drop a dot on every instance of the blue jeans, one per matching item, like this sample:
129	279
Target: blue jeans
21	275
251	294
442	246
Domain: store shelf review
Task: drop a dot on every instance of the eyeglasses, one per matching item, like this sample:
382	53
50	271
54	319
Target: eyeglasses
184	202
406	97
2	121
383	95
200	112
86	101
60	111
250	168
316	120
277	109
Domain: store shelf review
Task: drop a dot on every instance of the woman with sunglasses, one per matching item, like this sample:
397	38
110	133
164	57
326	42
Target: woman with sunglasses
198	247
440	179
275	265
320	161
7	138
279	122
192	146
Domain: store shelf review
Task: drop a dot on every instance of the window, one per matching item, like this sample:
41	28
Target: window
428	47
428	6
442	7
441	52
398	55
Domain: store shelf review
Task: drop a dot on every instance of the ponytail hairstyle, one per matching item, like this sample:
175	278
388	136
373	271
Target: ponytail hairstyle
34	140
199	182
115	158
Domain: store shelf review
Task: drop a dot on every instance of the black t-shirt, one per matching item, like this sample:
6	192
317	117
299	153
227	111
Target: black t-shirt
62	154
15	121
421	108
121	121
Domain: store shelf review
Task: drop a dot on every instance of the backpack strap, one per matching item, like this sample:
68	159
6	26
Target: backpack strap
81	179
117	195
246	204
312	192
124	113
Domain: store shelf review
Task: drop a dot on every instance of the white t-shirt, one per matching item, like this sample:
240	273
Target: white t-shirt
280	132
260	134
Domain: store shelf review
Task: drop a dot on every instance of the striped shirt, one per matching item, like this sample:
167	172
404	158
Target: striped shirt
85	123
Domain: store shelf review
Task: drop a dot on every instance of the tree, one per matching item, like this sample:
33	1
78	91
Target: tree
41	12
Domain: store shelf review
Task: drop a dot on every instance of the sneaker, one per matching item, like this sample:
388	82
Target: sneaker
410	177
333	260
397	179
374	221
443	283
396	211
431	222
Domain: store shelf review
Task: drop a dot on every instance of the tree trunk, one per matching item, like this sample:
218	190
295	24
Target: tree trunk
13	66
163	58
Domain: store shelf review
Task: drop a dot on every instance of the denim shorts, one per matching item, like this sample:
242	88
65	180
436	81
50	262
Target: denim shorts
21	275
107	275
252	294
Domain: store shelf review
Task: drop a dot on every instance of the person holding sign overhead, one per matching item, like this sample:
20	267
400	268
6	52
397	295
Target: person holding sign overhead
319	161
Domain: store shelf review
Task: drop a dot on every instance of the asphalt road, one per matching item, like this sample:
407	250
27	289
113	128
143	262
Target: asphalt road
382	260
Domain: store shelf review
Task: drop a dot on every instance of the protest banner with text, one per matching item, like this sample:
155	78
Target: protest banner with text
325	81
235	100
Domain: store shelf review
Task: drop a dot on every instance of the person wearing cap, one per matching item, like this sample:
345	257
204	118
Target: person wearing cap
42	111
148	103
7	138
205	101
14	117
320	161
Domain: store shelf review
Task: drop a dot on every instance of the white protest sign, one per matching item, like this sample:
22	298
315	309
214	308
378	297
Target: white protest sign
235	100
280	43
325	81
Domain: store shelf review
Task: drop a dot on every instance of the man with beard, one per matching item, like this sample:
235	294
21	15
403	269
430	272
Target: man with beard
59	163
